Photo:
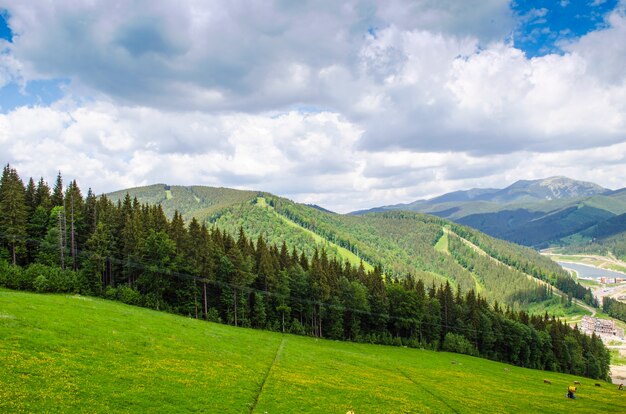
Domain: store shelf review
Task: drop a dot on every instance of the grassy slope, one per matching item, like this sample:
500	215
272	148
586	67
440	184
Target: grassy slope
442	244
69	353
343	253
194	201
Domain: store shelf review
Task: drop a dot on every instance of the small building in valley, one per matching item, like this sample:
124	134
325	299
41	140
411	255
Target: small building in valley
590	325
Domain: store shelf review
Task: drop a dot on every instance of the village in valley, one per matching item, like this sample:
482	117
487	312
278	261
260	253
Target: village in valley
606	276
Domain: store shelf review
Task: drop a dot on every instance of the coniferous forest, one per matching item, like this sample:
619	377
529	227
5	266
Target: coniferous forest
59	240
614	308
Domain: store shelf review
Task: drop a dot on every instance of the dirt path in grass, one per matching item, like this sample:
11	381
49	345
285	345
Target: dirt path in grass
279	350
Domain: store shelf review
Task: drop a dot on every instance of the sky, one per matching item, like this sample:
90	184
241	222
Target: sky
345	104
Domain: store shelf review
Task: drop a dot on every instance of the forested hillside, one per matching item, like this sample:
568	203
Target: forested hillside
56	241
605	239
403	243
400	243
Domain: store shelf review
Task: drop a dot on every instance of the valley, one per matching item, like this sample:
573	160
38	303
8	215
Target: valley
592	271
602	274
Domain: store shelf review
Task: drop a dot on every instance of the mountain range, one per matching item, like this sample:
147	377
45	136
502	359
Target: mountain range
555	211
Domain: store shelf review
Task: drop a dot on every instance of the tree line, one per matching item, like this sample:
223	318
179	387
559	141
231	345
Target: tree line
56	240
614	308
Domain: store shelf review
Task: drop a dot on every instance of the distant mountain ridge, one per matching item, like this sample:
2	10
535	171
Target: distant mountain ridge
531	212
552	188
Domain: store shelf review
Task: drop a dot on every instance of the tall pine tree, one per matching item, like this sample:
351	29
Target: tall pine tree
13	212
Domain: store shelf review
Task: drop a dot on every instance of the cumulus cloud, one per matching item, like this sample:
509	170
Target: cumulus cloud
226	55
348	104
311	158
444	93
112	147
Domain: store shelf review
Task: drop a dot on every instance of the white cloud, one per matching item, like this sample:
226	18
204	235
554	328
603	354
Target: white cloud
112	147
311	158
409	99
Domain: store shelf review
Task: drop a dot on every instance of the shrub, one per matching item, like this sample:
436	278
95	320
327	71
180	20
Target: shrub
459	344
296	327
110	293
41	284
57	280
213	315
128	295
14	277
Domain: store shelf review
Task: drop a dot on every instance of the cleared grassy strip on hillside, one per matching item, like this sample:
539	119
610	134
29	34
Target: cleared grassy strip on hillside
343	252
71	353
442	244
556	307
195	201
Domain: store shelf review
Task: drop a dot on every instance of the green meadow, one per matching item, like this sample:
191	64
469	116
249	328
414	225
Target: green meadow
64	353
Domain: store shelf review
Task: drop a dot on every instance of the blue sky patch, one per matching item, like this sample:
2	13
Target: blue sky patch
5	30
545	24
38	92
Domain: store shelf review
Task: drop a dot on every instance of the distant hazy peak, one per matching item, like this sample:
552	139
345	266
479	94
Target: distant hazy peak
555	188
551	188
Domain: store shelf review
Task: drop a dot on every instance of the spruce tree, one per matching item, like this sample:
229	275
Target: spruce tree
42	195
29	196
57	192
75	222
13	212
90	212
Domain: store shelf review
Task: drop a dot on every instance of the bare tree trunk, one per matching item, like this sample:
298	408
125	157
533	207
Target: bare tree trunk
14	256
205	305
195	297
73	245
320	319
235	293
61	243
